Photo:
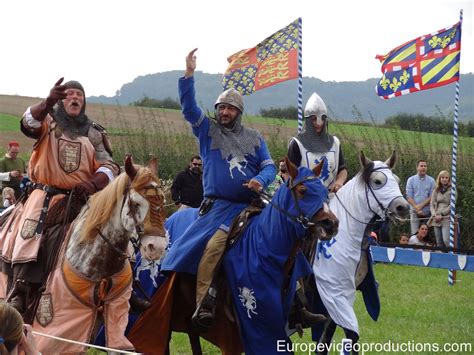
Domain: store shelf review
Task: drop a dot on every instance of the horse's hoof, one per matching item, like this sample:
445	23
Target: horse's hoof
309	319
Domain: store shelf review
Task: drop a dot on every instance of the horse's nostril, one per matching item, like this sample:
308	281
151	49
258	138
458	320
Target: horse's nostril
402	208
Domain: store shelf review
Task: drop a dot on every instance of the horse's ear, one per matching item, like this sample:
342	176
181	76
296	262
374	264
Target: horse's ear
292	169
129	168
317	169
153	165
392	160
363	160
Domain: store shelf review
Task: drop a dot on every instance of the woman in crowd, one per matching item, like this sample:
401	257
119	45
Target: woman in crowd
440	208
420	237
15	337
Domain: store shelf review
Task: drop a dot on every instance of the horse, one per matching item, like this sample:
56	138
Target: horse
256	268
92	281
343	263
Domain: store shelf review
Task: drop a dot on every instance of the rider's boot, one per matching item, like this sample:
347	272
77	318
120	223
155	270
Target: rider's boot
18	296
308	318
138	304
203	317
300	317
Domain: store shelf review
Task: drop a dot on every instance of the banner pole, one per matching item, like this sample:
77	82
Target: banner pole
300	75
452	273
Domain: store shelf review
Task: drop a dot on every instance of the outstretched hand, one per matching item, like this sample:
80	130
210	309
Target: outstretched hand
58	92
190	63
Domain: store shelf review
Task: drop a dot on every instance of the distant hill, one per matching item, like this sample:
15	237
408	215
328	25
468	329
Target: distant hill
340	97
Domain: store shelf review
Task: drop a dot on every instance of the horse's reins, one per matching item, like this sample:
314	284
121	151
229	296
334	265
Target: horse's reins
301	218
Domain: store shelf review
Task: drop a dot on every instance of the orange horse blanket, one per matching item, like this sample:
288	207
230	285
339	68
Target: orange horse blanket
71	303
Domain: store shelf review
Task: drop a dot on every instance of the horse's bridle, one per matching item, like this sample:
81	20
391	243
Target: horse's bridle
301	218
385	210
133	209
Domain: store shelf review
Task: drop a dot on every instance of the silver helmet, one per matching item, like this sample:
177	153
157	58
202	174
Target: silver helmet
231	97
316	107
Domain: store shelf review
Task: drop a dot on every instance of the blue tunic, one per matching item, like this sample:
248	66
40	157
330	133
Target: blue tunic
222	179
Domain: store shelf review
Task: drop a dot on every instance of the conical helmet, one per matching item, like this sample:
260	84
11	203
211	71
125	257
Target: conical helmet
231	97
315	107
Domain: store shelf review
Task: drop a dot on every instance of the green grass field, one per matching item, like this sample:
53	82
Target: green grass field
9	123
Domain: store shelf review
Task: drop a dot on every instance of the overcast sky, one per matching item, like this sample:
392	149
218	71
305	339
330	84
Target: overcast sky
107	43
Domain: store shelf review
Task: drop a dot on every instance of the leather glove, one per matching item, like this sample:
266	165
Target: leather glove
87	188
40	110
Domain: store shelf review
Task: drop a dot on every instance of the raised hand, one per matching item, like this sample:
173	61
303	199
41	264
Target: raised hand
58	92
190	64
40	110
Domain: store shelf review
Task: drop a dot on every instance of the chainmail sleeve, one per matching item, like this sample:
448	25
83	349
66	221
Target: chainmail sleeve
103	151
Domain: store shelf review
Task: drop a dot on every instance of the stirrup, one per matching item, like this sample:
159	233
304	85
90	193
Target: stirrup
203	319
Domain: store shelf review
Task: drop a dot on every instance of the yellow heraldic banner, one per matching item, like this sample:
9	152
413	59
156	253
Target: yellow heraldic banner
270	62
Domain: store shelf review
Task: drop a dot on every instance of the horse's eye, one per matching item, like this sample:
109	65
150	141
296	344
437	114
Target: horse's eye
378	180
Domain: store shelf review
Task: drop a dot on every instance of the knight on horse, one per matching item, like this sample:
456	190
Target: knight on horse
71	160
313	145
236	164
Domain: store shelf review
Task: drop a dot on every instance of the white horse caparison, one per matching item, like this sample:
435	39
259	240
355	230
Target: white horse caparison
374	191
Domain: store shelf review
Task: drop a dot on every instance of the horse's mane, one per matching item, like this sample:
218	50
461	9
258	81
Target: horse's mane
366	172
102	203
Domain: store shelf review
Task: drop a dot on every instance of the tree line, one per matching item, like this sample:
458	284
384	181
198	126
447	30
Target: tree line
167	102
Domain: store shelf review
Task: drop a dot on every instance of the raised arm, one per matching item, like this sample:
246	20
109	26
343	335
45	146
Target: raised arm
187	96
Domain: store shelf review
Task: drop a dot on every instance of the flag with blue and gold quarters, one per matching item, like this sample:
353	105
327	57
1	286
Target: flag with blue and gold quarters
270	62
424	63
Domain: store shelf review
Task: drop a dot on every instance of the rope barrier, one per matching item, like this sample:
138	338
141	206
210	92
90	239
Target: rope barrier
84	344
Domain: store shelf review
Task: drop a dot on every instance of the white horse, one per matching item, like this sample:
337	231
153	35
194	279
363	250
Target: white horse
374	191
92	281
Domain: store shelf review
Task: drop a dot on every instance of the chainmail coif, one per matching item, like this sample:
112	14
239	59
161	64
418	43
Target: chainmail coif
237	141
313	141
72	126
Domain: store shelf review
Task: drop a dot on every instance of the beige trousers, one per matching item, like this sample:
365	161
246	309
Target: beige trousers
209	264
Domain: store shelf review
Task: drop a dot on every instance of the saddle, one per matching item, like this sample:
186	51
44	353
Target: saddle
240	223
